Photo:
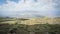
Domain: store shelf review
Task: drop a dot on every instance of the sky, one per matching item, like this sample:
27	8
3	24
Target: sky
30	8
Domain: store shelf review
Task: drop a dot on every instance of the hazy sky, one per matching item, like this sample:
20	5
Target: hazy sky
29	8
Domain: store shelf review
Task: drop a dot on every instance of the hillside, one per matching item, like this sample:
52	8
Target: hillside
31	21
31	25
45	20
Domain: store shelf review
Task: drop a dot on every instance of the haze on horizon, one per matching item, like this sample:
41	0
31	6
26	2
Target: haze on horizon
30	8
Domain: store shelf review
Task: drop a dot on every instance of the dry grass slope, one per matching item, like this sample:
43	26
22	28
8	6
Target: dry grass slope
45	20
33	21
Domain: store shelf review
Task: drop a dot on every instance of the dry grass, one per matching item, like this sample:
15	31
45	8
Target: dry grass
33	21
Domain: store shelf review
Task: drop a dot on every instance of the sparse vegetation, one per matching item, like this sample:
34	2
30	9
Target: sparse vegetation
31	26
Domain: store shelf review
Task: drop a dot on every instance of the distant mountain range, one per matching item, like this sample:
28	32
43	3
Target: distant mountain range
26	14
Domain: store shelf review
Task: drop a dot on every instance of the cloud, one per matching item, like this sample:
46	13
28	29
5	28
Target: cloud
29	7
